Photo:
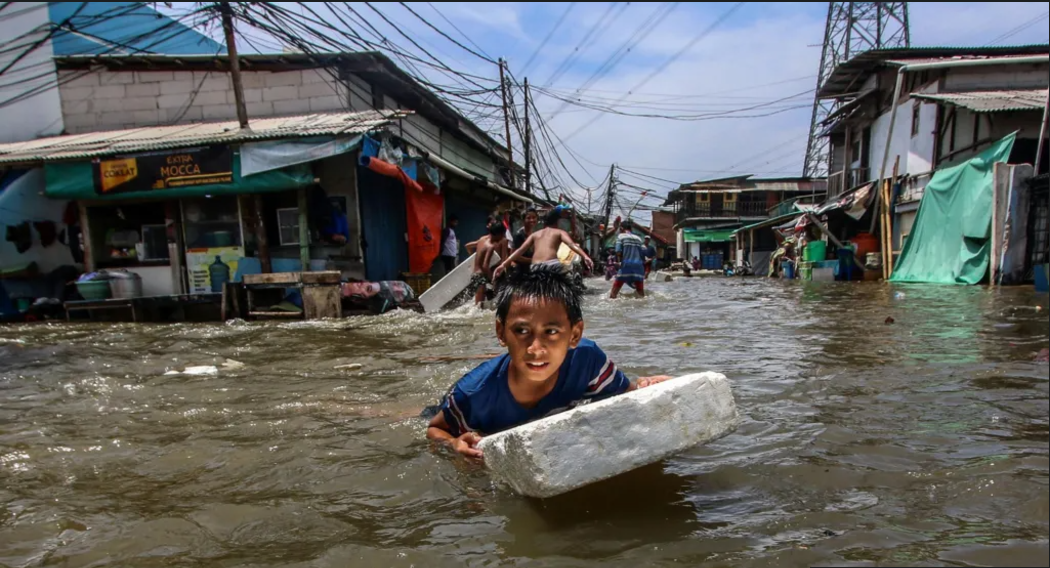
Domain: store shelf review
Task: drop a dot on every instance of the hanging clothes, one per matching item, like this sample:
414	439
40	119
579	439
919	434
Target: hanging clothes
21	236
48	232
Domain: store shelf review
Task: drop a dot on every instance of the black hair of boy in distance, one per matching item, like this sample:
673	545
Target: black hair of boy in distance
540	283
496	229
552	218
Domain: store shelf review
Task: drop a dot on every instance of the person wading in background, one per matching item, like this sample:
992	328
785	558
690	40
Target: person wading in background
532	218
630	250
450	244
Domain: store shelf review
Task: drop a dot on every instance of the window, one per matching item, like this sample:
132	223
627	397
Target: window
154	243
729	201
703	198
288	225
916	116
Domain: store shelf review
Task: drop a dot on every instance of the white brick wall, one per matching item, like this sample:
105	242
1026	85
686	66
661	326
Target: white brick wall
283	93
292	107
111	100
107	100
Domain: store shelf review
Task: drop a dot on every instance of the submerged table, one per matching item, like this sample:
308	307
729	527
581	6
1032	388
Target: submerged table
137	305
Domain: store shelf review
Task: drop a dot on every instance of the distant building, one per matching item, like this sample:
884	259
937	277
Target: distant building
708	212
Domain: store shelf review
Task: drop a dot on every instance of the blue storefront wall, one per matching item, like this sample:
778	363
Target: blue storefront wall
472	215
383	225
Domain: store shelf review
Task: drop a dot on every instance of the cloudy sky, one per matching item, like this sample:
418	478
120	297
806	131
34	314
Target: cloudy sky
736	56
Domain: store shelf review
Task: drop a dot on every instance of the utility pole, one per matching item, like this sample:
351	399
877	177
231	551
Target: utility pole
528	142
235	63
261	240
1039	151
609	196
506	113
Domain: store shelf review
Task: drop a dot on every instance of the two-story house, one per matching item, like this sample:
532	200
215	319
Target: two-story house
708	212
950	104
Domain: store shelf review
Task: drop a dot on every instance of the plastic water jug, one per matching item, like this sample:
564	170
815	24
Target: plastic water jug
220	275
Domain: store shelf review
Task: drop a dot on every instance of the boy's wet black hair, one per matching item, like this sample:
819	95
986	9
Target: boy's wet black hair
549	283
496	229
550	221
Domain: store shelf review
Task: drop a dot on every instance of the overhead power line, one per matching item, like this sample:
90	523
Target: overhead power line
1020	28
643	31
446	36
584	43
455	27
699	37
547	39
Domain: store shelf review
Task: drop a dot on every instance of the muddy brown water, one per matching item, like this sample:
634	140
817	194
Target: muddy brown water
921	443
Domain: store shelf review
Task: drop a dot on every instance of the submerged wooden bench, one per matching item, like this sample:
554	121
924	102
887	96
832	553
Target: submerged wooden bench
138	305
321	292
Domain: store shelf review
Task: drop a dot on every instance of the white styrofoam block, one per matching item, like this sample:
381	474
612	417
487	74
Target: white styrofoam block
597	441
446	289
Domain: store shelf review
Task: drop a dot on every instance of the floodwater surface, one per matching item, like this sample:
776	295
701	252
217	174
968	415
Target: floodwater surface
922	442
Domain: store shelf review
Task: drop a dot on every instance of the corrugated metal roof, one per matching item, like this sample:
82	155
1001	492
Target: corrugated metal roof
847	77
992	101
1001	58
93	144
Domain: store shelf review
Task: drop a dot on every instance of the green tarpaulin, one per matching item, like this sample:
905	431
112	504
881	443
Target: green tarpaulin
951	240
715	236
75	181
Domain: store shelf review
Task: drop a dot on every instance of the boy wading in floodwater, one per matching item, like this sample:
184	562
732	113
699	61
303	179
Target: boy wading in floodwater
482	278
548	367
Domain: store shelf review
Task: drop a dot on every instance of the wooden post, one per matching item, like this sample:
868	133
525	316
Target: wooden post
886	238
887	261
225	302
260	235
528	143
304	231
235	63
751	252
85	235
506	113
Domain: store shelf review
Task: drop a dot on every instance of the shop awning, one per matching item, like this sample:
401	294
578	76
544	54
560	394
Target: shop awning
77	181
1033	100
708	236
773	221
159	138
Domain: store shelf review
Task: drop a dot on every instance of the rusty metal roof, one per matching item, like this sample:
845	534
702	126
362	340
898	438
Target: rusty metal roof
849	76
992	101
93	144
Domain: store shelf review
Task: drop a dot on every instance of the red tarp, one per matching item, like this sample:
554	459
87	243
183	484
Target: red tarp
425	212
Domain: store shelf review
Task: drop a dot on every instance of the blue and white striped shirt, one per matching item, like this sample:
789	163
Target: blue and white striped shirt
481	401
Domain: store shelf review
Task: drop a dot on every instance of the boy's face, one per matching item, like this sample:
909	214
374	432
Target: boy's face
538	335
531	220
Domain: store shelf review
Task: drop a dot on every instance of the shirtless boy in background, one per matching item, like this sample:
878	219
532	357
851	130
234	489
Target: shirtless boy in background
503	250
483	276
545	244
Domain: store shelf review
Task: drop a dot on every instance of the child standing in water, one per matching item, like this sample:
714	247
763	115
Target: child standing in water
482	279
